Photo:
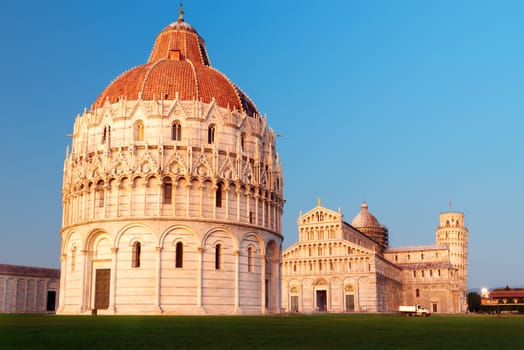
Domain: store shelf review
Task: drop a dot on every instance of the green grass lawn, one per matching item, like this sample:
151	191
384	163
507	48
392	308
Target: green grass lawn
259	332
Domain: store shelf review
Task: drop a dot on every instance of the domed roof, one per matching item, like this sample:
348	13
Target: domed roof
178	67
365	219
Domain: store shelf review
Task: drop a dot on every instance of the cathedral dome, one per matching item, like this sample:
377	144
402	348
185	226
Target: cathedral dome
178	67
365	219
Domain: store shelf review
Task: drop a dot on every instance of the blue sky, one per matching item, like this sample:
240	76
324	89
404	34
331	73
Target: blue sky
405	104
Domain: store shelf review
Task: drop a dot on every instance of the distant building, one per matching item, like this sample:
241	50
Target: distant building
27	289
172	193
341	267
505	297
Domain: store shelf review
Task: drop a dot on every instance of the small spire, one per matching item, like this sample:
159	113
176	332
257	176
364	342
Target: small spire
318	202
181	13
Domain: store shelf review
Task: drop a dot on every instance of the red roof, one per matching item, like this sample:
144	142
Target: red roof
31	271
511	293
178	64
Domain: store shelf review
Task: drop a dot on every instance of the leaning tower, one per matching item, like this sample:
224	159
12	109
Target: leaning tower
454	234
172	193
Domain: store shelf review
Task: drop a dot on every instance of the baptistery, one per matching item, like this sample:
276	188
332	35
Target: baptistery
172	193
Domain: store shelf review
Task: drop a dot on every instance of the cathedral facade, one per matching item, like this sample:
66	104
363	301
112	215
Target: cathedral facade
172	193
340	267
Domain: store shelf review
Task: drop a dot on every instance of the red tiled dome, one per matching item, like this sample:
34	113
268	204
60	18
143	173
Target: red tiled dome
365	219
178	64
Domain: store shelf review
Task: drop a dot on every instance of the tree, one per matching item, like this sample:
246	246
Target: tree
473	301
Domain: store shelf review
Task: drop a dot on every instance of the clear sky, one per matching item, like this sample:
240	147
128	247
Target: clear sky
405	104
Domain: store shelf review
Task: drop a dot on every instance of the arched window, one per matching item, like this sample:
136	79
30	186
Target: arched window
211	134
176	131
99	192
251	260
139	130
179	252
218	256
168	190
137	248
417	293
218	196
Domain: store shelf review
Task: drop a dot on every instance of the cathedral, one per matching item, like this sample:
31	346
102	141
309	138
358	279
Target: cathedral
340	267
172	193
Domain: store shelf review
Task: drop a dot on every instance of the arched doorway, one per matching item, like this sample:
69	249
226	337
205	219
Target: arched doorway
100	263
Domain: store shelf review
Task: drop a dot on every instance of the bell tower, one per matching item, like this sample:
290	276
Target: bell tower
454	234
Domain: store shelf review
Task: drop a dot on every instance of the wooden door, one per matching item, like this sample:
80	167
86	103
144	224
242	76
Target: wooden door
102	288
294	303
321	300
350	303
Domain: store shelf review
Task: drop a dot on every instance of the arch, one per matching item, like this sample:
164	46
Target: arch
150	179
128	229
222	299
172	230
251	247
320	282
138	178
100	246
257	237
94	236
207	239
67	241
